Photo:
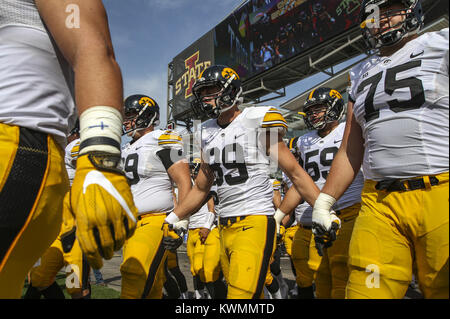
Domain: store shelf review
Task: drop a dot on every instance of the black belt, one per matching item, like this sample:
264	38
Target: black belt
396	185
305	227
225	221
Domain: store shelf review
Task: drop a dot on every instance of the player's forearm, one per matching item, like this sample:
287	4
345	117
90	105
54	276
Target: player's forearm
192	202
343	171
98	80
210	205
347	162
290	201
305	186
277	199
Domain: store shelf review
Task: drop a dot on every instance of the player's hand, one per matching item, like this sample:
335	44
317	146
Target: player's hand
103	205
325	239
279	215
172	238
203	233
281	235
325	223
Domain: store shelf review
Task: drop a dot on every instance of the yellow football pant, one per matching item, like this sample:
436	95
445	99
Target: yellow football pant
33	181
289	239
53	260
393	231
211	256
172	259
301	255
246	248
144	256
331	273
195	252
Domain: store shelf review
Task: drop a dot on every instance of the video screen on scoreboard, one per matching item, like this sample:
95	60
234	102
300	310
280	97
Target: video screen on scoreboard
263	33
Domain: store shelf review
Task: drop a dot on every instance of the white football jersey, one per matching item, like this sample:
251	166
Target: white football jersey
401	103
239	162
151	186
316	155
70	158
36	82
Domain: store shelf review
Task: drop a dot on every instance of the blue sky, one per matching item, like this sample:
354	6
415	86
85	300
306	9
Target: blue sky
148	34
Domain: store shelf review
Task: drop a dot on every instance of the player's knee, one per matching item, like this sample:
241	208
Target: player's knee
41	279
133	279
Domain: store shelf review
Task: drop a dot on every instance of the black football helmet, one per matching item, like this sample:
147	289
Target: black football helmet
227	93
142	111
411	24
331	100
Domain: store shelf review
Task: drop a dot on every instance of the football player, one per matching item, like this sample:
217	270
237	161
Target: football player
323	109
151	161
397	128
65	250
204	270
235	145
298	237
40	48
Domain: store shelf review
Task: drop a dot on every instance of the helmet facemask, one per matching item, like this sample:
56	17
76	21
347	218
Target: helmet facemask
319	122
223	96
140	119
410	22
324	100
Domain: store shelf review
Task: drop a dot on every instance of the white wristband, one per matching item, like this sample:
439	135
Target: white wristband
172	218
209	220
324	201
100	130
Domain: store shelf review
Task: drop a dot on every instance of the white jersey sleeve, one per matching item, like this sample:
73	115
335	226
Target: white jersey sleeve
401	103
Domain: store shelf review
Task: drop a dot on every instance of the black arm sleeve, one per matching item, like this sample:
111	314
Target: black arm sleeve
167	156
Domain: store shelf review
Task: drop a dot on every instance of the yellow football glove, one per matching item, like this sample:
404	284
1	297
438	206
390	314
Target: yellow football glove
103	205
68	227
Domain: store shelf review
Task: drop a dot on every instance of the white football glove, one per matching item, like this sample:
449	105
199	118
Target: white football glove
279	215
325	223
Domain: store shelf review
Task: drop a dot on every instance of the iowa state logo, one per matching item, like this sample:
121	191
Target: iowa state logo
193	70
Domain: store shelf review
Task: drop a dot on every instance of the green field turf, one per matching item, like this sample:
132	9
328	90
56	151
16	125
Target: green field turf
98	292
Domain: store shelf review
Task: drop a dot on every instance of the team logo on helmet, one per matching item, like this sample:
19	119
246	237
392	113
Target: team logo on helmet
335	94
145	100
228	73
